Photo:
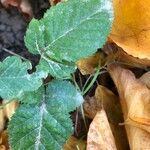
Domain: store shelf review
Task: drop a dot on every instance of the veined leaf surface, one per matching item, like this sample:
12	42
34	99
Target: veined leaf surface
14	78
69	33
46	125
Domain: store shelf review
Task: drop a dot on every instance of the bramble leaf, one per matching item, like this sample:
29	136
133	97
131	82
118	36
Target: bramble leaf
46	125
65	94
14	78
56	69
69	33
32	97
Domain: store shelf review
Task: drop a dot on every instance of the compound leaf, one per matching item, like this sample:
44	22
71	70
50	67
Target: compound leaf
65	94
32	97
46	125
73	33
68	33
14	78
56	69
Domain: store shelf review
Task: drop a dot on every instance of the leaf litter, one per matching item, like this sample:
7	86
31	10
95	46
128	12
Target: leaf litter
104	109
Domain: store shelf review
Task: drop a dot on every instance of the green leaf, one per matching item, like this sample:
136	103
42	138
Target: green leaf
70	31
35	37
46	125
65	94
56	69
76	28
14	78
32	97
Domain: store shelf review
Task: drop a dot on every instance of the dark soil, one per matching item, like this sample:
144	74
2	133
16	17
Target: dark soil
13	25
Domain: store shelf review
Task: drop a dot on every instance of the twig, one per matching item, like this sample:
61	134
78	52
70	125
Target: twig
13	53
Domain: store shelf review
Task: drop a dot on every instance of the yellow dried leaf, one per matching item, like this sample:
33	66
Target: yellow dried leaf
146	79
2	120
123	57
135	98
10	108
131	29
100	135
88	65
74	144
111	104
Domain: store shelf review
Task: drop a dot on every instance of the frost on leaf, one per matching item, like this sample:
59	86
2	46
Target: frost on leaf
14	78
45	125
68	33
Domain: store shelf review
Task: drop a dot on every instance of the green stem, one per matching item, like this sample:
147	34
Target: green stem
92	82
87	81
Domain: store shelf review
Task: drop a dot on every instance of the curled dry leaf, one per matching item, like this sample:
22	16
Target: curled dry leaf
54	2
111	104
88	65
146	79
99	135
135	97
7	112
15	3
104	98
131	29
23	5
2	120
4	141
74	144
91	106
121	56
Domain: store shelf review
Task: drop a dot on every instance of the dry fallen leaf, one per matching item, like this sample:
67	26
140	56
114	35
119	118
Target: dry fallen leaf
4	141
2	120
131	29
135	98
121	56
15	3
74	144
88	65
146	79
7	112
91	106
54	2
23	5
99	135
111	104
10	108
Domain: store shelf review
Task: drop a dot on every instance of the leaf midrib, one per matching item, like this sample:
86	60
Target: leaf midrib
72	29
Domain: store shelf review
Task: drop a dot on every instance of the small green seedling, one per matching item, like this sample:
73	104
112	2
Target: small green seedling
68	32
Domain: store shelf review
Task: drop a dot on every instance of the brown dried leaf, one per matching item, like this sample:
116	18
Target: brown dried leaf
4	141
23	5
145	78
26	8
100	135
74	144
135	98
15	3
91	106
111	104
88	65
54	2
122	56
